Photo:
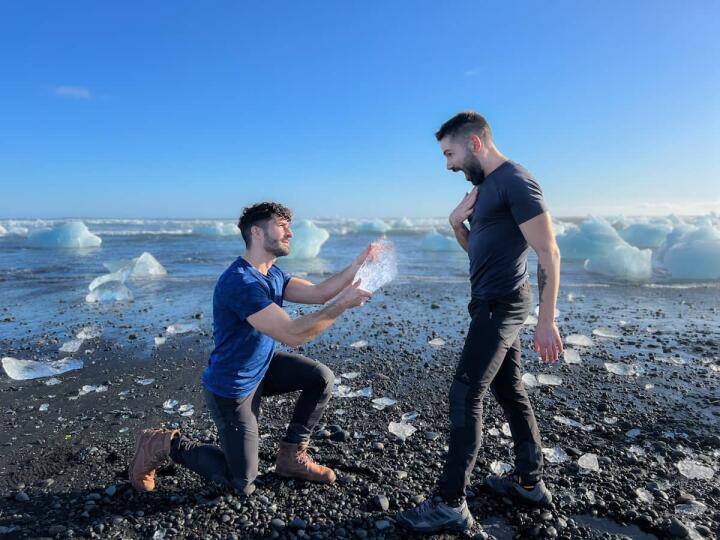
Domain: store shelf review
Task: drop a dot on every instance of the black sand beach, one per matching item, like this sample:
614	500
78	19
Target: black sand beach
63	470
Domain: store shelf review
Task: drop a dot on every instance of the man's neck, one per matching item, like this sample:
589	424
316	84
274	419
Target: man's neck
261	260
492	161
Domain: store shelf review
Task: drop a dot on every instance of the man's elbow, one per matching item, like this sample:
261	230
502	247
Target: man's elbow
551	252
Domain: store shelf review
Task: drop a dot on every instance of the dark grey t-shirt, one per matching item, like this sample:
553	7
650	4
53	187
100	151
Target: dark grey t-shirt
498	251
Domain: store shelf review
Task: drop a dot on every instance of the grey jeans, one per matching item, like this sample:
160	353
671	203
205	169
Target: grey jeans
235	462
491	359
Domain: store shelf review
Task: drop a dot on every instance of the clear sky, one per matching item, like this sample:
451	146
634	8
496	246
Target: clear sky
194	109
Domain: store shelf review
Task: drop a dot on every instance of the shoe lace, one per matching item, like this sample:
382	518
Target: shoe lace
426	506
305	458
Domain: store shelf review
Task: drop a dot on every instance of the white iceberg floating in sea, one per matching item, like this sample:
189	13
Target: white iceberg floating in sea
217	228
692	253
694	470
374	226
112	292
144	266
555	455
624	262
500	467
379	271
434	241
621	369
383	403
571	356
3	231
307	240
646	235
589	462
579	340
23	370
69	235
401	430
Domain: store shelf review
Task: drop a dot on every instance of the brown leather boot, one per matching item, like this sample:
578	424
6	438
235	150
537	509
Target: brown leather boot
152	448
293	461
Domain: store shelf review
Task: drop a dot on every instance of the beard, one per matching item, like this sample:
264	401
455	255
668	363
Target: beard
275	248
473	171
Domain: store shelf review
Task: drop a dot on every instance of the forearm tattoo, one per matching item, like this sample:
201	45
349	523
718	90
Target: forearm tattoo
542	280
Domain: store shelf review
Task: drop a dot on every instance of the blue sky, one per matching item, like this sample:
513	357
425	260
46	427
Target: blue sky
194	109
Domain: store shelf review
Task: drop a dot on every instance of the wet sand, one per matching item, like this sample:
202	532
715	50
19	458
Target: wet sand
63	471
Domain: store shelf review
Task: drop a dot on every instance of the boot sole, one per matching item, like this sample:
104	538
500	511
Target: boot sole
299	477
442	528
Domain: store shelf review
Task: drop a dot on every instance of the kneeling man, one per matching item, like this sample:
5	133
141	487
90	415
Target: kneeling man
244	365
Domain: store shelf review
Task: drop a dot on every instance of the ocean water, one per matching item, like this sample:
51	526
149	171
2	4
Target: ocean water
42	291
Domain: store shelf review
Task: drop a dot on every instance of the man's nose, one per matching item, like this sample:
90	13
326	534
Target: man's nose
289	233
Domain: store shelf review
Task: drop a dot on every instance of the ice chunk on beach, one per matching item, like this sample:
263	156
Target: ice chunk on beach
383	403
145	382
69	235
170	404
579	340
88	388
23	370
530	380
571	356
434	241
140	267
182	328
696	255
436	342
572	423
605	333
694	470
531	320
633	433
217	228
644	495
307	240
594	237
500	467
71	346
693	508
646	235
374	226
350	375
186	410
555	455
555	315
44	407
89	332
589	462
621	369
52	381
109	293
146	265
409	416
359	344
381	270
159	340
401	430
623	262
549	380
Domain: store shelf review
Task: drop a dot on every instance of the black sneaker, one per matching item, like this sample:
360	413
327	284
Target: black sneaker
509	484
435	515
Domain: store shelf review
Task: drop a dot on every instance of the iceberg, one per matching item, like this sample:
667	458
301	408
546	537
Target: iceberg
3	231
379	271
307	240
434	241
646	235
216	229
69	235
22	370
109	292
622	261
374	226
695	254
143	266
594	237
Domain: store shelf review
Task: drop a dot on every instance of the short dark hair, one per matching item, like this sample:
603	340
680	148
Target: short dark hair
463	124
260	214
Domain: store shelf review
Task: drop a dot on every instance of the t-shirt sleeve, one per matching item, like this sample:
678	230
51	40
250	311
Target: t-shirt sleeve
247	299
524	197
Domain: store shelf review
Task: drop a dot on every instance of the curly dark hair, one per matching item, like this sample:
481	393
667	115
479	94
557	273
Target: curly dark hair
259	214
464	124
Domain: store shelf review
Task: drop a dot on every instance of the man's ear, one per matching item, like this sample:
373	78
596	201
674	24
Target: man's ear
475	143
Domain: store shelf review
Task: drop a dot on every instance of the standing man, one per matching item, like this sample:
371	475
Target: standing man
244	366
507	217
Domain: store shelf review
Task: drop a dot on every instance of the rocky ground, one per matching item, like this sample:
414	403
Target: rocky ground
63	470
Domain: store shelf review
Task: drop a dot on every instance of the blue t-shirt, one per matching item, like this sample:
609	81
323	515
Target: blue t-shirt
242	354
508	197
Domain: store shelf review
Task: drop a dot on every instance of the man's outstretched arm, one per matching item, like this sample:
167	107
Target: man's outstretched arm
273	321
303	291
538	232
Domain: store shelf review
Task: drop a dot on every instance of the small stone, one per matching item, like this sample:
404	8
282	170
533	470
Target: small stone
110	490
298	523
382	502
378	446
278	523
382	524
431	435
22	497
678	529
